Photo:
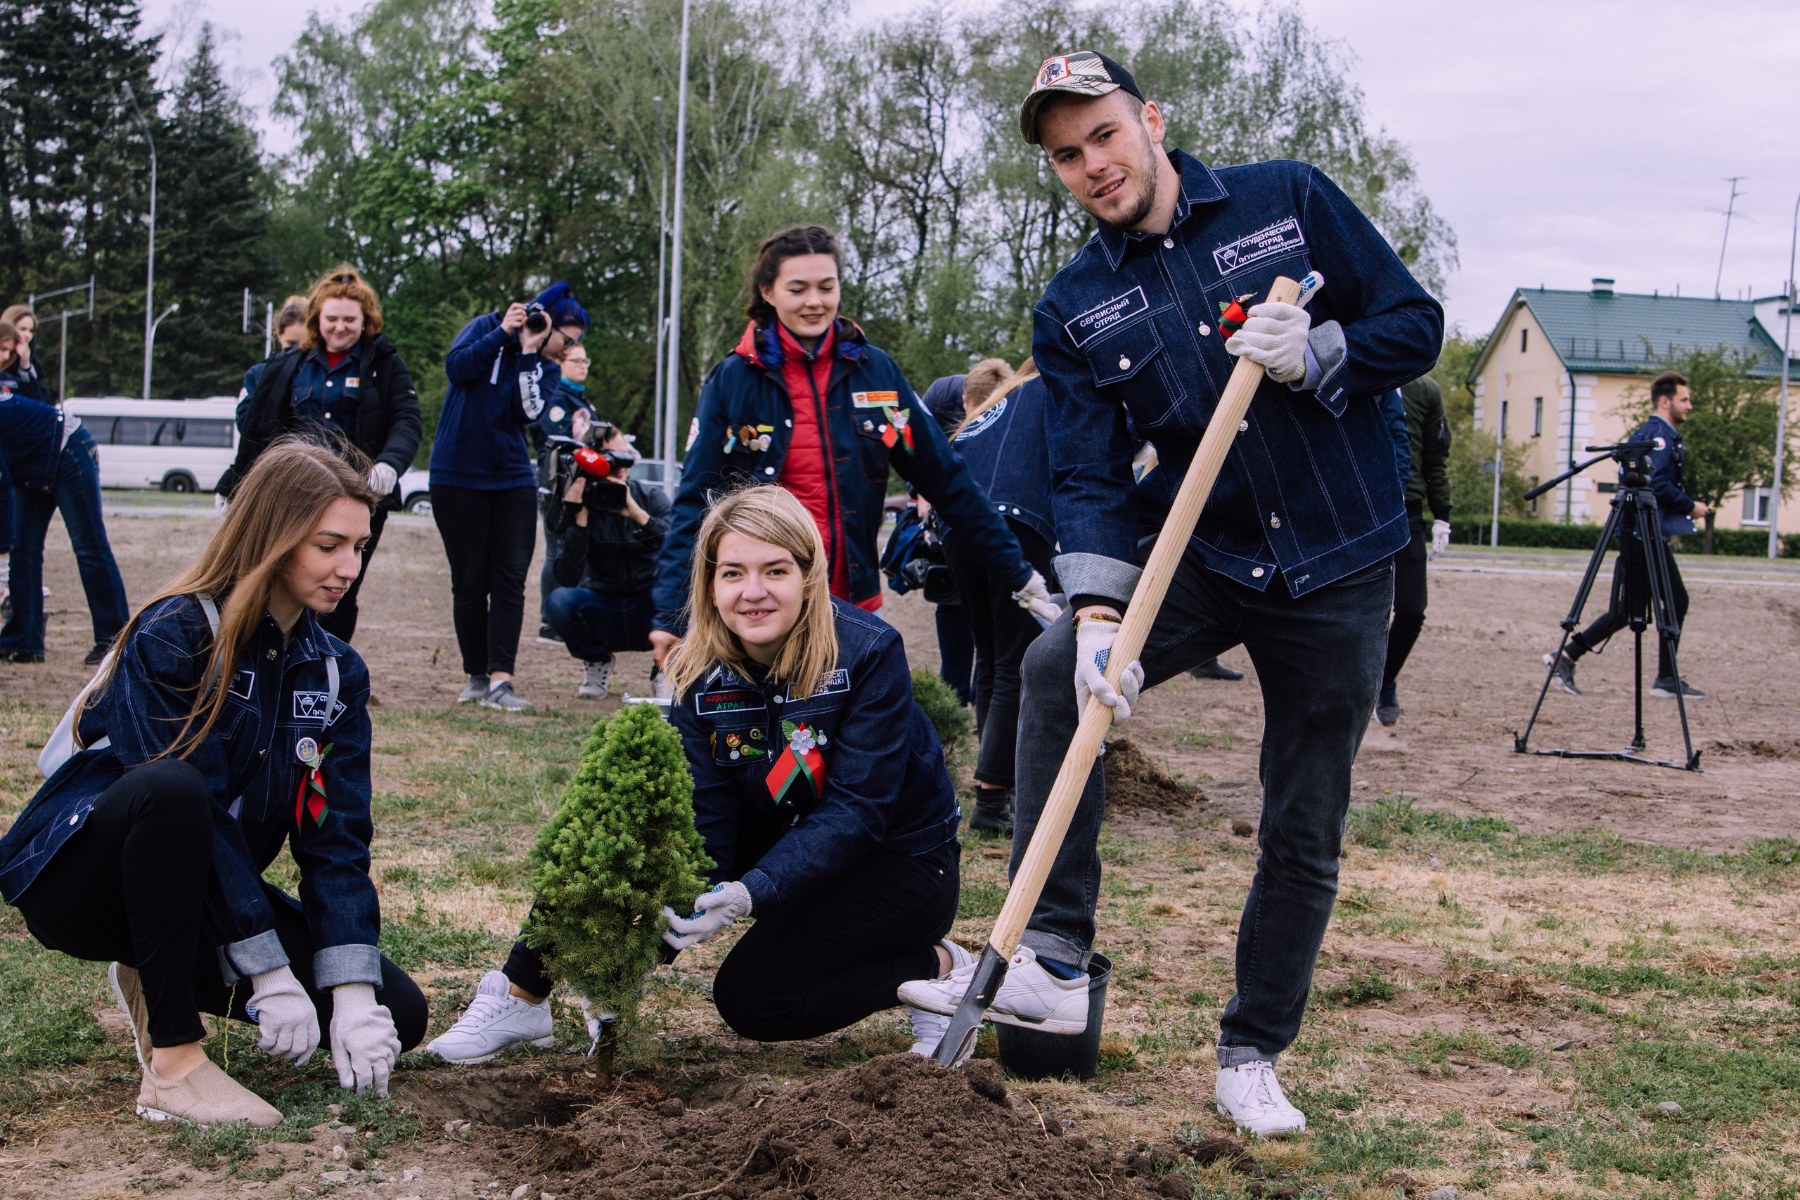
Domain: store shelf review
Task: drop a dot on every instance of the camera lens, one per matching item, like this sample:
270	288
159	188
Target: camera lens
537	321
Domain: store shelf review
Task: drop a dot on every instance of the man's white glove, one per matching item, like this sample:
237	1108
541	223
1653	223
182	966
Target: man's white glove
220	503
383	478
364	1042
1274	335
713	911
1440	538
285	1015
1093	645
1035	599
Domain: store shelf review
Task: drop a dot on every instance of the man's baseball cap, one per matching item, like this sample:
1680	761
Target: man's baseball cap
1083	73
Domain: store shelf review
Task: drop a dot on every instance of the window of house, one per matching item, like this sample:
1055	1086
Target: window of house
1756	505
1504	404
1537	416
1524	340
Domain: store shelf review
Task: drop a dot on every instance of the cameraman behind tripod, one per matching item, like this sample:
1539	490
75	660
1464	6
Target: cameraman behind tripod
608	529
1676	512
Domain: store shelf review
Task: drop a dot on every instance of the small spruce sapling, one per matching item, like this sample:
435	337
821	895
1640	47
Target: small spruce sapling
621	844
947	714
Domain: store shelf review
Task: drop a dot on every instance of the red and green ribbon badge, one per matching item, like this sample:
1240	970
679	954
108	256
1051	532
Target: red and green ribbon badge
1231	314
311	799
801	758
898	427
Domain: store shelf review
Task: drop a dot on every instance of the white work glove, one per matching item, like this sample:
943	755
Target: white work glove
1035	599
1274	335
713	911
383	478
364	1042
284	1013
1093	645
1440	538
220	502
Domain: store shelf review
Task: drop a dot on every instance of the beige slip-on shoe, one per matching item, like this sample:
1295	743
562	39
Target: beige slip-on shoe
204	1096
128	990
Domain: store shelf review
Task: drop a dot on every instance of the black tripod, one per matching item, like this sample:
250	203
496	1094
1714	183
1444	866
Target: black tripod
1635	522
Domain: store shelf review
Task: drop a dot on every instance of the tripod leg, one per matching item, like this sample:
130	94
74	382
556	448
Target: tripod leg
1662	611
1572	622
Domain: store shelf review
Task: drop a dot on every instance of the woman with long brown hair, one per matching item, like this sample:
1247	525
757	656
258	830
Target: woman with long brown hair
224	724
346	379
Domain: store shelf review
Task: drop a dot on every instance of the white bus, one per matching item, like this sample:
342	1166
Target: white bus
175	445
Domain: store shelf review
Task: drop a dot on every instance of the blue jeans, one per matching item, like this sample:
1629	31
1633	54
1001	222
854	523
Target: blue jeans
595	627
77	496
1319	661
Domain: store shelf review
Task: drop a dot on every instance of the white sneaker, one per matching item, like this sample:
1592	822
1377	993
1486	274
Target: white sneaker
929	1027
1029	997
595	676
475	689
502	698
495	1020
1252	1097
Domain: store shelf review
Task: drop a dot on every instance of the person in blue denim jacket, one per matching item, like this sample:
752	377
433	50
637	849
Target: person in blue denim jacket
819	789
1676	512
225	723
48	464
1136	338
806	402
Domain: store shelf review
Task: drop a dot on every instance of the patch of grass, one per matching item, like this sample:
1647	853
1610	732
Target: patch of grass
1368	988
1709	1081
1368	1149
1380	824
980	901
420	941
45	1004
1224	739
1606	980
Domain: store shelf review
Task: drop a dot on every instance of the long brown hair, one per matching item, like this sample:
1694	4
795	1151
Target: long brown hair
774	515
342	282
9	333
15	311
276	507
1025	374
776	249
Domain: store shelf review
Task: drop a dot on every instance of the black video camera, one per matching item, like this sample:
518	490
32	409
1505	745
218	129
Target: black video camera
566	460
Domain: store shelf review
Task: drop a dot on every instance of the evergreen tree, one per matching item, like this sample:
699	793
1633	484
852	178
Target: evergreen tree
74	174
214	207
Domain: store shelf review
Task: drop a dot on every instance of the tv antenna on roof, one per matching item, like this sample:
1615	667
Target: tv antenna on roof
1730	205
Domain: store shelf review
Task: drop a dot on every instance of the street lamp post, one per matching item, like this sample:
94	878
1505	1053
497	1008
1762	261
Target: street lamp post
150	340
673	373
665	437
150	257
1787	350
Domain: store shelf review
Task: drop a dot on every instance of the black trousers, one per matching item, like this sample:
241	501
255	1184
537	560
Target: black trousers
820	965
1409	601
341	621
1631	571
489	538
1003	632
131	887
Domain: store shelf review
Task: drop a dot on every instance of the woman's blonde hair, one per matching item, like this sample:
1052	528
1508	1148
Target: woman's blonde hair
1025	374
768	514
15	311
342	282
278	505
9	333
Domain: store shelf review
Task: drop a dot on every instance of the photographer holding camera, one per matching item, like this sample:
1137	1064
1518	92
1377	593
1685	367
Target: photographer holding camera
503	368
608	529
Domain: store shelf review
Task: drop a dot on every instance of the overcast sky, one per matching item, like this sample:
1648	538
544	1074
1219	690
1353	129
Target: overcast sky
1562	139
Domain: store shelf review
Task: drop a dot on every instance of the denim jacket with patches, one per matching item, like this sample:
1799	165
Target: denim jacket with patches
251	765
884	788
1127	337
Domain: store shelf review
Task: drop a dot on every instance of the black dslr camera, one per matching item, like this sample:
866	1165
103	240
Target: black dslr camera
537	318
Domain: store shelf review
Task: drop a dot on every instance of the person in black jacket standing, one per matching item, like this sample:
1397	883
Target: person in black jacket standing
345	380
608	533
1428	479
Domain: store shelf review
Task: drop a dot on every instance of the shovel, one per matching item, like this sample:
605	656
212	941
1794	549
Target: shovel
1096	718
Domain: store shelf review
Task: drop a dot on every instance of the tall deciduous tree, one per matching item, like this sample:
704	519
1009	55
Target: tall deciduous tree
213	229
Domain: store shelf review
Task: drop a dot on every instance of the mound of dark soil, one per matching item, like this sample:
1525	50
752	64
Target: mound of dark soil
894	1126
1135	782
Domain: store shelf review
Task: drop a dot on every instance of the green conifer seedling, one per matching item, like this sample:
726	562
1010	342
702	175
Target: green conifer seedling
621	845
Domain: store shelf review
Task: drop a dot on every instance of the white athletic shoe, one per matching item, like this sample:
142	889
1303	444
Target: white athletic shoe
929	1027
495	1020
595	675
1029	997
1251	1096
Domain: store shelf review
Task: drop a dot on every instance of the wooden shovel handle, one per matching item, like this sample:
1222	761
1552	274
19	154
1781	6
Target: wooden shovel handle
1140	616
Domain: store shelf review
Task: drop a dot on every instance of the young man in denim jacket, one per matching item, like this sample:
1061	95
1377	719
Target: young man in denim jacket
1292	556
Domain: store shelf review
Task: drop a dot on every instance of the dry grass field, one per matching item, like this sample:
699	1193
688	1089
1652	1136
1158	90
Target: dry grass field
1546	977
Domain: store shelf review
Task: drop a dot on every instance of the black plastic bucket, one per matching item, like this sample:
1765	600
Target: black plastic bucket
1028	1054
